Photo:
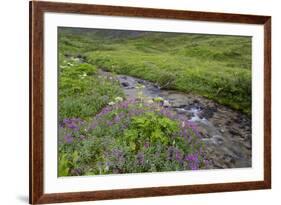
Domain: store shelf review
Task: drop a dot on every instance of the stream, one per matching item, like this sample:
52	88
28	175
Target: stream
226	132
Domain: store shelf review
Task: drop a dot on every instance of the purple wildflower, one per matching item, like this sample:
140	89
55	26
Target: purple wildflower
67	121
119	157
77	120
178	155
104	111
124	104
93	125
68	138
73	126
117	119
193	161
146	144
109	123
167	112
117	153
73	123
174	154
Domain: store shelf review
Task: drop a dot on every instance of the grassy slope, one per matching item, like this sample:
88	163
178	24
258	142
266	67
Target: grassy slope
218	67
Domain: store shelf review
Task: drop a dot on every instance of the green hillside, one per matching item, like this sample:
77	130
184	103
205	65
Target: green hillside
214	66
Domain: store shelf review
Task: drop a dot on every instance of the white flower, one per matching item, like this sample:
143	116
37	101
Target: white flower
118	99
150	101
111	103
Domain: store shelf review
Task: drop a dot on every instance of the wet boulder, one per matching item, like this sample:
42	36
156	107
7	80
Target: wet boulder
125	84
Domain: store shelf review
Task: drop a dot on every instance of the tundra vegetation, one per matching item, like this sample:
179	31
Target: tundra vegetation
103	132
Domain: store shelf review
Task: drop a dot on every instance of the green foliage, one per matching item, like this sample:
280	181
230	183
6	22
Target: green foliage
63	165
67	162
152	127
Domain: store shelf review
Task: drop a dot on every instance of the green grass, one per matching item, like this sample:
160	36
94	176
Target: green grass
82	92
217	67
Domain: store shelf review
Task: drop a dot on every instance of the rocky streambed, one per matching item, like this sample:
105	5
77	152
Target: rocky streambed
226	132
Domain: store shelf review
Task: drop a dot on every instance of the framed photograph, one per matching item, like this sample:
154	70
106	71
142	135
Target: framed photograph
137	102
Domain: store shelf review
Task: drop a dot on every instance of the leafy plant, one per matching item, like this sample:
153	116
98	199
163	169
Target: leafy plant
68	162
63	165
151	127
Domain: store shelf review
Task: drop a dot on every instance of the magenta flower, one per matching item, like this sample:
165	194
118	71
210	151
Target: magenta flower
193	161
68	139
73	126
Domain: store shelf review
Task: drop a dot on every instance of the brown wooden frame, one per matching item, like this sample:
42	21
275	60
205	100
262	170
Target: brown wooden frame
37	9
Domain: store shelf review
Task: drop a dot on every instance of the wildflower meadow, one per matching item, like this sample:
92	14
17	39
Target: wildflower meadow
138	102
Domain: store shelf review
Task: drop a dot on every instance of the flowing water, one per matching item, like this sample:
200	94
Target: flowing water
226	132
